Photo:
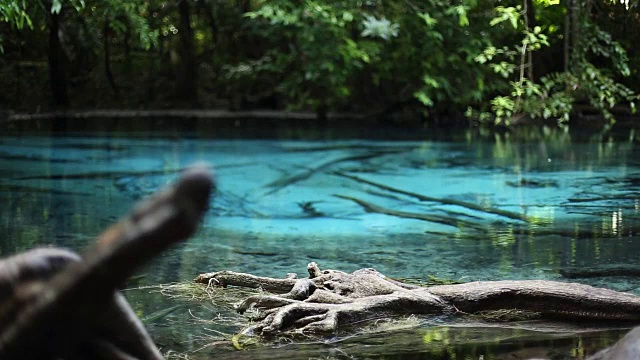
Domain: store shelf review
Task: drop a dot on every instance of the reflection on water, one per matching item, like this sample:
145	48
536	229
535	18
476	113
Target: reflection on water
462	210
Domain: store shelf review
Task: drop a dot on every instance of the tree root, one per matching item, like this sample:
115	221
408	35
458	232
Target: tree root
331	300
327	301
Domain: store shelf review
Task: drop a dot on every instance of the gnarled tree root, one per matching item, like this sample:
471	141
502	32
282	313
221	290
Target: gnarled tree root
330	300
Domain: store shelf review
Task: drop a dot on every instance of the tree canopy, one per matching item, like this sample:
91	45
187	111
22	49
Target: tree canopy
496	62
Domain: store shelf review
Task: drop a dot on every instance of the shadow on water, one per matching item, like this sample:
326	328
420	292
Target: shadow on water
410	206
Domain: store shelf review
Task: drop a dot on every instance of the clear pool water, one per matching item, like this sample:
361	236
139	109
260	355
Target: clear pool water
410	209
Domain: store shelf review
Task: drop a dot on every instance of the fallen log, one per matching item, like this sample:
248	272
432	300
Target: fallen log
55	304
330	301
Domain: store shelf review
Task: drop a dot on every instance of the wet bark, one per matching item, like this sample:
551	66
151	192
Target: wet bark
69	307
330	300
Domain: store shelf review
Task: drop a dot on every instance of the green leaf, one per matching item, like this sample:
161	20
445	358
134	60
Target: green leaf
423	98
428	20
495	21
431	82
514	22
463	20
56	6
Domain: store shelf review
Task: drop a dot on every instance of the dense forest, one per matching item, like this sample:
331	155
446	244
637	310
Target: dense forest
495	62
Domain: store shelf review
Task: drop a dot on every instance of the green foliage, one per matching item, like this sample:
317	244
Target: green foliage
320	56
510	14
556	93
461	12
586	82
419	58
124	16
15	14
433	57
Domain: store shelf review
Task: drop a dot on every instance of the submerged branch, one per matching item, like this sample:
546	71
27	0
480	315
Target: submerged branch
604	198
468	205
594	272
450	221
289	180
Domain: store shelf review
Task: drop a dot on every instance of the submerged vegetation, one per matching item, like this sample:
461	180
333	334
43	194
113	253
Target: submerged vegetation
486	61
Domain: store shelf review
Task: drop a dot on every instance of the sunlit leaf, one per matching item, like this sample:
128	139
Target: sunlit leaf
56	6
423	98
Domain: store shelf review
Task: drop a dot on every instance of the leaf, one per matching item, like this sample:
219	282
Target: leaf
56	6
464	20
496	21
428	20
423	98
235	340
431	82
514	22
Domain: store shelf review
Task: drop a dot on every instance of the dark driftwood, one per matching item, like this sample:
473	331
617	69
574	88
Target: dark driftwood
330	300
54	304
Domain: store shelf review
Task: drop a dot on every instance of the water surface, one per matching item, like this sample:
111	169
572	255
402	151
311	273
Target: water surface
465	210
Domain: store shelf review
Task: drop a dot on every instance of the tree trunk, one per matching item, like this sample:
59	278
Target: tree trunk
126	43
245	6
187	85
213	23
567	35
57	73
18	87
530	18
107	57
574	36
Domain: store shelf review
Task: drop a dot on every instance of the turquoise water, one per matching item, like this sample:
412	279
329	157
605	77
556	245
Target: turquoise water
346	204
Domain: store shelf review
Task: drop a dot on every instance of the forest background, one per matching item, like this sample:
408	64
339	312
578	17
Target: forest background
448	62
